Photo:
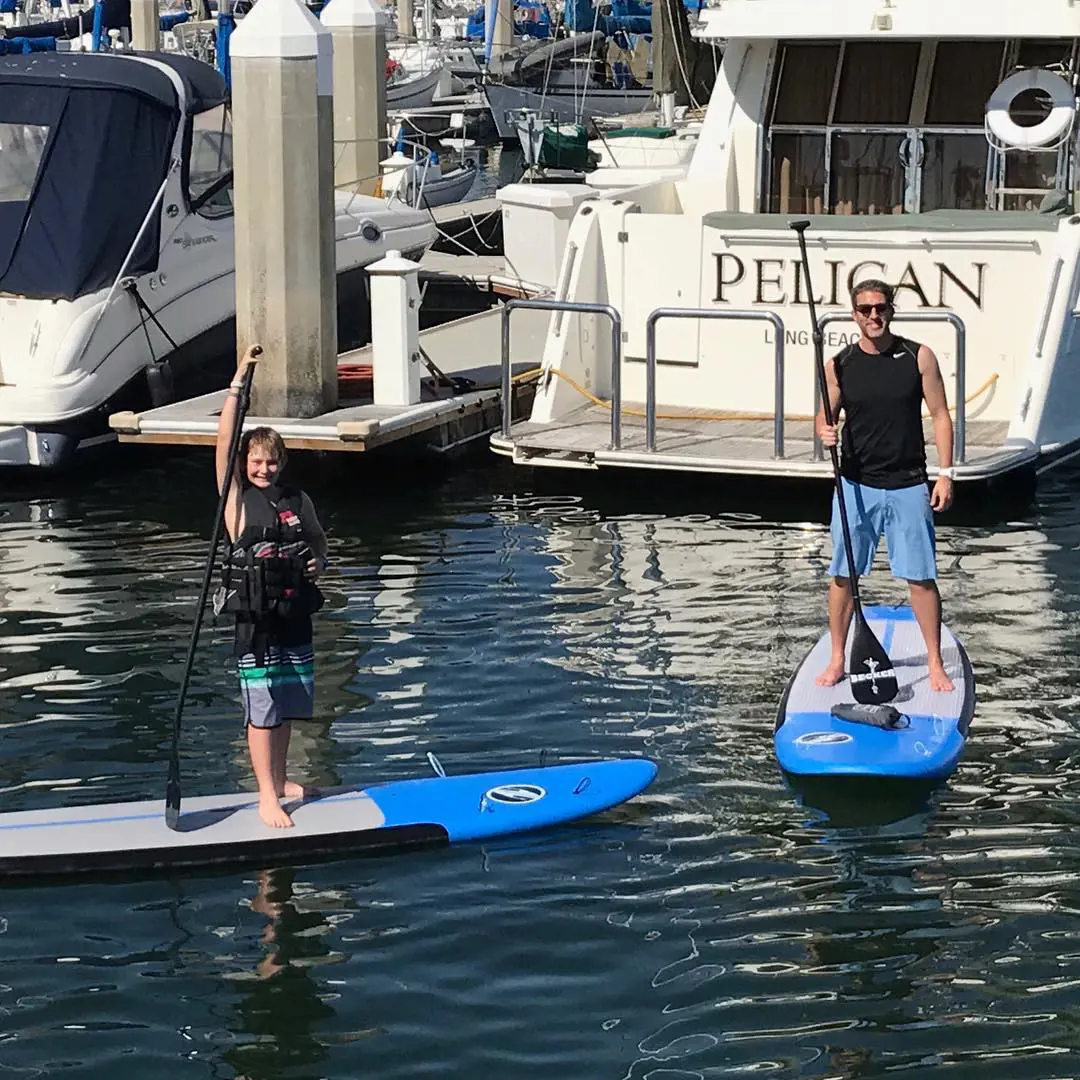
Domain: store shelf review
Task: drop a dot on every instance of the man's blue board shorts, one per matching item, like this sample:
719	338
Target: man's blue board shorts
902	515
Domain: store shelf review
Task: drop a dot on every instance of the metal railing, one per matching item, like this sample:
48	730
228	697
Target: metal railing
960	422
713	313
616	355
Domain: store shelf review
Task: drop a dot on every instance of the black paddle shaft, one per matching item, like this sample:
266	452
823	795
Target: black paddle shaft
800	228
873	680
172	785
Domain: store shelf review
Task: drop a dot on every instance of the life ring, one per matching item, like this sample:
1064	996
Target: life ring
1062	109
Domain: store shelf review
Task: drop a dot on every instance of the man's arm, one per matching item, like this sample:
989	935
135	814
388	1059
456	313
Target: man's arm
933	387
313	530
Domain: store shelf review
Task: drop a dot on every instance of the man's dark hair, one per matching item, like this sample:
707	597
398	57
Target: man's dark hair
873	285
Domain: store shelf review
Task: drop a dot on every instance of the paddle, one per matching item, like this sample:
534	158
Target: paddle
873	680
172	785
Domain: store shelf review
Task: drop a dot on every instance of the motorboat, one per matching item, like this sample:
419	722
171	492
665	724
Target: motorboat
117	246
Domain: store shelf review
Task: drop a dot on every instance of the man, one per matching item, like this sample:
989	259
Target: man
880	383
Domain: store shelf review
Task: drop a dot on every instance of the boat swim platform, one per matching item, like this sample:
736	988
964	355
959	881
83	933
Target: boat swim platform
441	423
687	442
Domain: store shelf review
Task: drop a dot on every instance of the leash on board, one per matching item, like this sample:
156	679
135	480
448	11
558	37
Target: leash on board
871	674
172	785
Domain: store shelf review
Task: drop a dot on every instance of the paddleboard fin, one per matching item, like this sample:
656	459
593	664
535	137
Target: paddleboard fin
883	716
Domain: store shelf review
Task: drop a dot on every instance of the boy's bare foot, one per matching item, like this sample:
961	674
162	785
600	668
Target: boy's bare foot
939	680
293	790
271	813
832	674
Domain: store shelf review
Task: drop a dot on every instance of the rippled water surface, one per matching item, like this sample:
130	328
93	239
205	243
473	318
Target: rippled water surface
717	925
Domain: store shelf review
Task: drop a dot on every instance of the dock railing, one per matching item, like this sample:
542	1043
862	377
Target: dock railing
713	313
577	308
960	387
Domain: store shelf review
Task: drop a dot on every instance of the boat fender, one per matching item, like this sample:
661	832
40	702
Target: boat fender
1049	131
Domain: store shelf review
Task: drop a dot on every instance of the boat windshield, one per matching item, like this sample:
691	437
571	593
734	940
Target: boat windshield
210	163
896	127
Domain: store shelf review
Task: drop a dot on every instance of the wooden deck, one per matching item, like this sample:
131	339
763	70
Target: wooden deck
691	443
468	347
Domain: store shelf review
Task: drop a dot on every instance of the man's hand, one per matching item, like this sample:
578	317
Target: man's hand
941	496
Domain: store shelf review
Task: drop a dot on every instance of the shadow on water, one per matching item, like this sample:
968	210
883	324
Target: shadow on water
858	803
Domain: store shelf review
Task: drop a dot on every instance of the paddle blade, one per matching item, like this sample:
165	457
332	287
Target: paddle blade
873	680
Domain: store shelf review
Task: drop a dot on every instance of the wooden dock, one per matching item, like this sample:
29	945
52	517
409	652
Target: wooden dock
466	349
688	442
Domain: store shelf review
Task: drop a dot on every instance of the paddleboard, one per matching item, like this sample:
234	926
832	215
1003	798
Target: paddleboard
402	814
820	731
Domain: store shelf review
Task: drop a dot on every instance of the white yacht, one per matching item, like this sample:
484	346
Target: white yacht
117	243
932	145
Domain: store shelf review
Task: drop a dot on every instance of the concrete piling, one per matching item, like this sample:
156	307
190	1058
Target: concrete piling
358	29
283	189
145	26
406	24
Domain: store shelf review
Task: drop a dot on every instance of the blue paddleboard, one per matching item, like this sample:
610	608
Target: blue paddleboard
820	731
431	811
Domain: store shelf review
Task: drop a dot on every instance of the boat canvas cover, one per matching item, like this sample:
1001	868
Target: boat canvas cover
83	153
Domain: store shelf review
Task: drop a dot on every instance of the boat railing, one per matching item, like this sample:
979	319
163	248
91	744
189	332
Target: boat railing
713	313
576	307
960	388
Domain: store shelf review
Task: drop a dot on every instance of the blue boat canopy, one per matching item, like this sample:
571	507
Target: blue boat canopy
85	145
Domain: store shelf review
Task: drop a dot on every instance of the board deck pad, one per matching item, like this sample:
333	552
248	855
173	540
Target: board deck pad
810	740
226	829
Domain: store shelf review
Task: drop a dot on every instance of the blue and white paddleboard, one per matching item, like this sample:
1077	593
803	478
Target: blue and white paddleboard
820	731
226	829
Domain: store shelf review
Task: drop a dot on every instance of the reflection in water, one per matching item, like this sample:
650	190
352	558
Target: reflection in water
283	997
722	924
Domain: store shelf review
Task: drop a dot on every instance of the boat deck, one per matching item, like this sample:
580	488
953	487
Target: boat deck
686	441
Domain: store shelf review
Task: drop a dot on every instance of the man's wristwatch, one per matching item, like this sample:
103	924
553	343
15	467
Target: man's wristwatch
948	472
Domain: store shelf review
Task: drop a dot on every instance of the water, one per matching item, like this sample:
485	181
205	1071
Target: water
714	926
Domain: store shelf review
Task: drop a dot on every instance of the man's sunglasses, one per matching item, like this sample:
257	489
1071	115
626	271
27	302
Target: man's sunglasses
873	309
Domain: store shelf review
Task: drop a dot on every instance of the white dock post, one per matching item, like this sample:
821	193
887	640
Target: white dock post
358	29
283	163
145	26
395	329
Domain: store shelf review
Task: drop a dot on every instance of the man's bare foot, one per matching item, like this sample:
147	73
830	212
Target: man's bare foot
832	674
939	680
271	813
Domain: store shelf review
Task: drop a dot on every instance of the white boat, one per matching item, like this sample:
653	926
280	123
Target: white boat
117	243
930	149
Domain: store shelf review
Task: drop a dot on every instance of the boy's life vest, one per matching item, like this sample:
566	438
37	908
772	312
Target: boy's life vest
263	578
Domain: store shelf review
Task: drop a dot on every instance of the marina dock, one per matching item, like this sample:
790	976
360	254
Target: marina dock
449	418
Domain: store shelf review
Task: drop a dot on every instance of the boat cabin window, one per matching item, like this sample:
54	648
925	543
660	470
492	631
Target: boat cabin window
893	127
21	146
210	164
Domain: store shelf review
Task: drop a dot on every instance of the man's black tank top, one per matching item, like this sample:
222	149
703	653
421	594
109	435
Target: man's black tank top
881	394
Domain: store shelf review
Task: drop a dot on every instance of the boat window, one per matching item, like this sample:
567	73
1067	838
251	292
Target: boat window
21	146
798	174
877	80
954	172
805	84
211	163
1045	52
965	75
1030	175
868	175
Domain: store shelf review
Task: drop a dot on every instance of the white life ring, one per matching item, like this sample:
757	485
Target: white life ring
1050	130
